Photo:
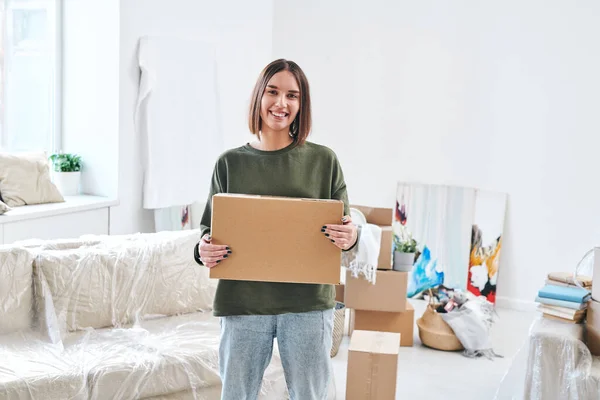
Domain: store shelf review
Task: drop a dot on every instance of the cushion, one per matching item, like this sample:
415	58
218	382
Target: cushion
16	293
162	356
119	281
25	179
3	207
35	370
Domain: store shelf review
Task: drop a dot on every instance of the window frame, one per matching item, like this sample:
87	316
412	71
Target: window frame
55	139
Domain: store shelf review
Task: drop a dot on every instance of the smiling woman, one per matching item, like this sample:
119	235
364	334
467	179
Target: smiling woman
279	162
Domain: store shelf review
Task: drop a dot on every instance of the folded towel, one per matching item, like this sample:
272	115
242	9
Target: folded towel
567	277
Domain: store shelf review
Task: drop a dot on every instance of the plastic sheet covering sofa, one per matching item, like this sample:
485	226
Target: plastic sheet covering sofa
111	317
553	364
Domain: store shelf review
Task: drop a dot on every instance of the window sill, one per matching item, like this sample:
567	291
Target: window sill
72	204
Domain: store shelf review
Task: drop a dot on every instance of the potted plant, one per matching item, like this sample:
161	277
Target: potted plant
405	248
67	172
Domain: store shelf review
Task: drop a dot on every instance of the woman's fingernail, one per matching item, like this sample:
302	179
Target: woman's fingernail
227	248
228	251
218	261
226	255
322	229
333	241
327	235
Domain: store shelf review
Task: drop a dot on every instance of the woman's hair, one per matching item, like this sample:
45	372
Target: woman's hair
301	125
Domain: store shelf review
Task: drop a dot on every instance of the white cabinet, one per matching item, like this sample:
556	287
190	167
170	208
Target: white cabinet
58	227
79	215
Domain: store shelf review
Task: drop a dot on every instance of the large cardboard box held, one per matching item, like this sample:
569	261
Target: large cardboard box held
388	293
383	218
402	323
372	366
276	239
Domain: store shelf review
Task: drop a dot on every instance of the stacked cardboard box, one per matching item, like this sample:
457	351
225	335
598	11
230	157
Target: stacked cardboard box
383	306
593	313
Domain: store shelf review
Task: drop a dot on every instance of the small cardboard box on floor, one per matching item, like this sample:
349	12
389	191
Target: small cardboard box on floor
276	239
372	366
383	218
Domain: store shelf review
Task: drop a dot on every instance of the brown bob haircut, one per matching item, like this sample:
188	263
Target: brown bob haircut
301	125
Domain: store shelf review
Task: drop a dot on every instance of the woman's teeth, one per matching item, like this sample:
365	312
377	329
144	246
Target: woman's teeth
281	115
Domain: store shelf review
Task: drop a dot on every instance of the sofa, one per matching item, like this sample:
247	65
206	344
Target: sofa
111	317
553	364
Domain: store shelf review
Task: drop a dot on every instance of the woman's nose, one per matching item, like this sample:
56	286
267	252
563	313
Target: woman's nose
281	101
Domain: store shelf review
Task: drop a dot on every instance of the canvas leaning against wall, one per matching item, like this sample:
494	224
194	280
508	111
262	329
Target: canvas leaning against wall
458	234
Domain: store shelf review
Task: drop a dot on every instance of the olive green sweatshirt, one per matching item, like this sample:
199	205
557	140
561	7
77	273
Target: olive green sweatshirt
308	171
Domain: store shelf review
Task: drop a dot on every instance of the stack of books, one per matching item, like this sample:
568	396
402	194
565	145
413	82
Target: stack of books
562	300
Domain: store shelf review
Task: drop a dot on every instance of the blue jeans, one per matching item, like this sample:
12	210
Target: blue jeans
304	341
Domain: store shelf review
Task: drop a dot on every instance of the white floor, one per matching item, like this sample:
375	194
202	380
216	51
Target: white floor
424	373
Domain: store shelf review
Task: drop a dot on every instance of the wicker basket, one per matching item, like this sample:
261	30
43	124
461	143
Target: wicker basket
339	319
434	332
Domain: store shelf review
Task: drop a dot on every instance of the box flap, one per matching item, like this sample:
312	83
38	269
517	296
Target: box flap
374	342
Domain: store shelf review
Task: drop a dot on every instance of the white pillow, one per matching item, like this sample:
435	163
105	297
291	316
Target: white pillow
3	208
16	292
25	179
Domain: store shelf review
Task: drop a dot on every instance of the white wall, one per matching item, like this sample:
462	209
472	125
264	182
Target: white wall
502	96
91	91
243	34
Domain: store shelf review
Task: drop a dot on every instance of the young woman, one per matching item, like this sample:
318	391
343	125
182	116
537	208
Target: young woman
280	162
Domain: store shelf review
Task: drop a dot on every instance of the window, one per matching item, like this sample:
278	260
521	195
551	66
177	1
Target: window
29	60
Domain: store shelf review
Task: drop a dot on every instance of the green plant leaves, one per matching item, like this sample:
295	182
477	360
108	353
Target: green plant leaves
65	162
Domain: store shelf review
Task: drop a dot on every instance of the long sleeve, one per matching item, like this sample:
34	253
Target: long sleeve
339	192
215	187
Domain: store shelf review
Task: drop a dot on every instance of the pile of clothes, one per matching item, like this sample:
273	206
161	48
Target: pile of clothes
470	317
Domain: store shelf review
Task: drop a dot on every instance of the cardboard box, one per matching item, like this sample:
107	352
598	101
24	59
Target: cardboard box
596	275
276	239
339	293
372	366
388	293
385	251
402	323
376	216
383	218
593	327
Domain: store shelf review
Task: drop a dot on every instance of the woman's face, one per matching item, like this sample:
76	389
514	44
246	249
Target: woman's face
280	103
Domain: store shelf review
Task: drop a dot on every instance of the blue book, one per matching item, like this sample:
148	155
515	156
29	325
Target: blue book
561	303
573	294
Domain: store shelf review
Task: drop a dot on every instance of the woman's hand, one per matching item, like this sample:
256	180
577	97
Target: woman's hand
343	236
212	254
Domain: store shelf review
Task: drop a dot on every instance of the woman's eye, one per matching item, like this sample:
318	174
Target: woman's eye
272	92
292	96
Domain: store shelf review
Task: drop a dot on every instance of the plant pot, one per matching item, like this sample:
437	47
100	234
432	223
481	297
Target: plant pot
67	182
403	262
